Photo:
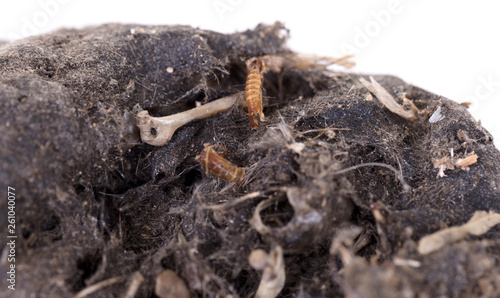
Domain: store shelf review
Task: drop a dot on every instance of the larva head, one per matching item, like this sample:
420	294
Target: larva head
253	121
199	158
203	157
256	63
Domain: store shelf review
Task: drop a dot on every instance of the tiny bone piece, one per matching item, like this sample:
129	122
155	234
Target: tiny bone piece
467	161
406	262
389	102
98	286
450	163
136	279
479	224
157	131
436	116
169	285
343	242
380	213
273	276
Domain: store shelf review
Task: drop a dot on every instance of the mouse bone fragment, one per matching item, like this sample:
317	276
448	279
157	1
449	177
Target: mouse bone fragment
170	285
480	223
273	276
389	102
157	131
276	63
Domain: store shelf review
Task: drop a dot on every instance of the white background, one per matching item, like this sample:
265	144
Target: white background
451	48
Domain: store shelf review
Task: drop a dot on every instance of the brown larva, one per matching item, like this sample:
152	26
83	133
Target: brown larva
253	89
215	163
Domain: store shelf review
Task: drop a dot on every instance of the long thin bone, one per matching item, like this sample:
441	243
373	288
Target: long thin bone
480	223
157	131
389	102
276	63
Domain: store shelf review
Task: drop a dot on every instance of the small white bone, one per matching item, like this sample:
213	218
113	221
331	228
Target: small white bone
273	276
480	223
389	102
157	131
276	63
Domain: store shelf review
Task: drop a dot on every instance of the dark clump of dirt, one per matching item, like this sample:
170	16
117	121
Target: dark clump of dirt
346	187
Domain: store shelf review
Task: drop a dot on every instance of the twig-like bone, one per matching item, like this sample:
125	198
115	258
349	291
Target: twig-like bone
100	285
273	276
136	279
479	224
389	102
157	131
381	223
343	243
276	63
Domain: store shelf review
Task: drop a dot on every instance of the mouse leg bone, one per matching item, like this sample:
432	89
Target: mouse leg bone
157	131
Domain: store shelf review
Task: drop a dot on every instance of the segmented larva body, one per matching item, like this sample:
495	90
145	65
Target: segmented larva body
215	163
253	90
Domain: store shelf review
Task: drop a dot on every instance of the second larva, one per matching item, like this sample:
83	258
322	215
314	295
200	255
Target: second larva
214	162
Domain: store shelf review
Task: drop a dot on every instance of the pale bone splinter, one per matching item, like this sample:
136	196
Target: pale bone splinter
157	131
480	223
389	102
273	276
276	63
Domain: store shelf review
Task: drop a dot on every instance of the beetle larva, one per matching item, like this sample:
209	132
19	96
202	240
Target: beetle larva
253	89
215	163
